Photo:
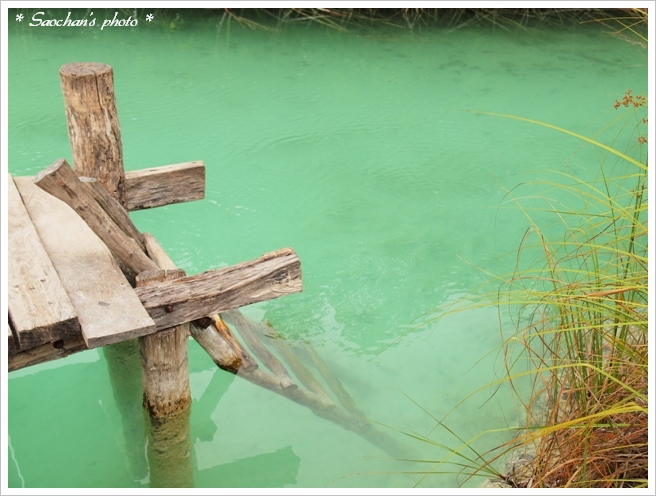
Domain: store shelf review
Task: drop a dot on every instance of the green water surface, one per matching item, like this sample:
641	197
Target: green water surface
355	149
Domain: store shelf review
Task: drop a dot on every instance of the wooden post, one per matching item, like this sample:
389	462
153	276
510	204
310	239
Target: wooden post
95	137
93	127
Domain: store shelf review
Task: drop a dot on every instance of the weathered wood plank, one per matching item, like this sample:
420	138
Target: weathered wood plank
156	186
113	209
93	127
60	181
46	353
272	275
39	308
106	305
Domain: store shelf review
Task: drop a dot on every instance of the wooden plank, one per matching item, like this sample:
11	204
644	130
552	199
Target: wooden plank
11	342
60	181
46	353
272	275
39	308
148	188
107	308
113	209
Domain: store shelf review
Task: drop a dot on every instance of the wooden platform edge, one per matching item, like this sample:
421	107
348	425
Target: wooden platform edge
40	310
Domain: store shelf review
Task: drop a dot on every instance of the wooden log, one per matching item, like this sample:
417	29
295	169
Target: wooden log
317	404
344	398
247	361
107	308
114	209
273	275
93	126
45	353
253	342
300	370
221	352
39	308
165	372
169	450
60	181
148	188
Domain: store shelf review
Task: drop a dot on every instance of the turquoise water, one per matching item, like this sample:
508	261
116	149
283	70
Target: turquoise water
356	150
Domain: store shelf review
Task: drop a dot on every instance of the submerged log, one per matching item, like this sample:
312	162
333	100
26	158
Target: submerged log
189	298
344	398
60	181
245	330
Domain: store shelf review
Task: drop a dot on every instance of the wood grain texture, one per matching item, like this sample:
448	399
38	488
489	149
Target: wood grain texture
60	181
107	308
39	308
156	186
114	209
273	275
164	367
254	343
46	353
93	126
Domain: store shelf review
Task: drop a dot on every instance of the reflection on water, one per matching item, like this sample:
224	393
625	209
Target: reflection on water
353	150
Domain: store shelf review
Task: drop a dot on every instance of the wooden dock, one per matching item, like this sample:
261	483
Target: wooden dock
82	276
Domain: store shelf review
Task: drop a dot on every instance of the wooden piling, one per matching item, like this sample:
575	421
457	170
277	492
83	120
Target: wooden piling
93	127
95	137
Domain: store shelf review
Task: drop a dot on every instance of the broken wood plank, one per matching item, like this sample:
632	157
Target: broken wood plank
156	186
60	181
39	308
272	275
113	209
107	308
253	342
46	353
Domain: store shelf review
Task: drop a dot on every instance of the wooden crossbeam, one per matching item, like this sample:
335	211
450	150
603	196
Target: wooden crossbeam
157	186
171	303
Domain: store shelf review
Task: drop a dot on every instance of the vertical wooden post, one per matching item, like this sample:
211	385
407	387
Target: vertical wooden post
95	137
93	127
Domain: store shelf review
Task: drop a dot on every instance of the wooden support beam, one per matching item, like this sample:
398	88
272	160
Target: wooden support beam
247	333
164	371
148	188
39	308
114	209
107	308
272	275
60	181
93	127
46	353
